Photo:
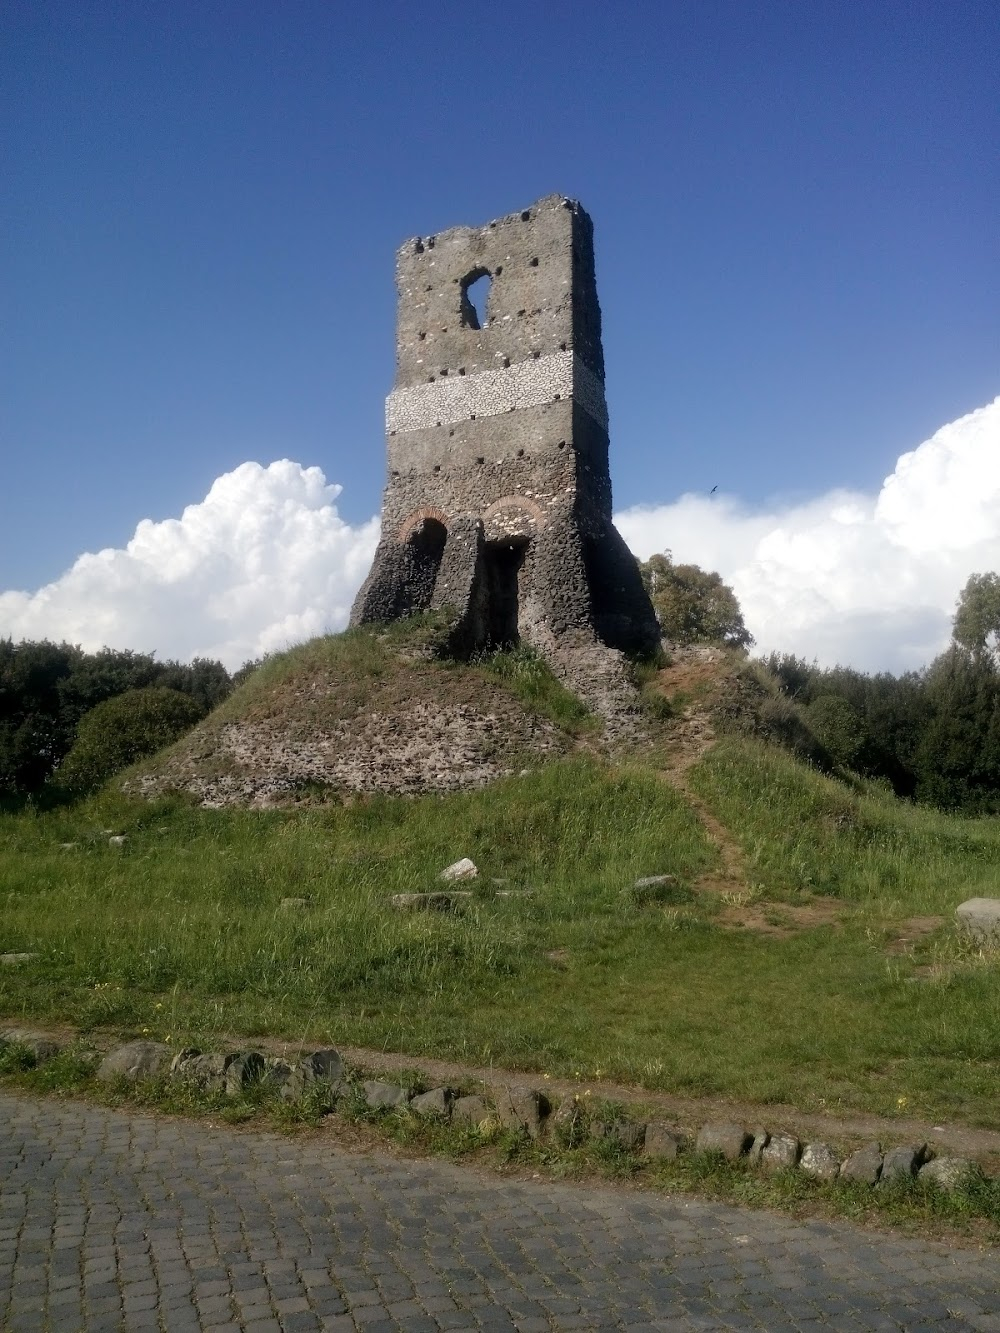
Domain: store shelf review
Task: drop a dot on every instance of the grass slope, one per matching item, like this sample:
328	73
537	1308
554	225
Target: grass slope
871	1004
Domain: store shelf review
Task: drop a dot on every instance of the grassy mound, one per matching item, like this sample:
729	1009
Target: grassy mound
806	954
366	711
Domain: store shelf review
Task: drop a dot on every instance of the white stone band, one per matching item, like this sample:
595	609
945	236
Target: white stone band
493	392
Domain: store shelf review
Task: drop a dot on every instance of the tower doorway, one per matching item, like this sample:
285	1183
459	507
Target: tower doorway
503	561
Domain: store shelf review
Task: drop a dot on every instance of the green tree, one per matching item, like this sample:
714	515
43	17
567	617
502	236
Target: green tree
123	729
692	604
977	618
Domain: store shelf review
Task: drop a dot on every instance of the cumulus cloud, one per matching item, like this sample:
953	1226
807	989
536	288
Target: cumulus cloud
865	580
262	562
265	560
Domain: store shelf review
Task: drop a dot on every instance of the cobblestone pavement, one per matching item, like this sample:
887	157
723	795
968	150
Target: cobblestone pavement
120	1221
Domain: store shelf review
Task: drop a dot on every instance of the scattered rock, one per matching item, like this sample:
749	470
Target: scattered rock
424	902
435	1105
135	1060
628	1135
327	1064
980	918
660	1140
864	1165
118	840
567	1123
522	1108
40	1046
470	1111
760	1141
729	1139
948	1173
656	889
294	904
68	846
782	1150
464	869
207	1072
242	1068
515	893
901	1163
381	1096
819	1160
15	959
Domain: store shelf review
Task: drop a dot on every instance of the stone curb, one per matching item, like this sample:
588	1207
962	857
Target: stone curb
517	1107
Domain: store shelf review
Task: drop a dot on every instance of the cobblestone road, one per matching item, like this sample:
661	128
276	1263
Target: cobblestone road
117	1221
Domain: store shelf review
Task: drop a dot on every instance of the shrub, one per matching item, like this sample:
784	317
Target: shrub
123	729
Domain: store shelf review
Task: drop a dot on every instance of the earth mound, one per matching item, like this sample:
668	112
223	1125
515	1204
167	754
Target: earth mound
368	711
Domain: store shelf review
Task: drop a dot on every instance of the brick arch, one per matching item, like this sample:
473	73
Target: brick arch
494	515
409	525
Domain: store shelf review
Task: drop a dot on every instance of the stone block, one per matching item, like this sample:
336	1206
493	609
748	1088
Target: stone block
902	1163
434	1105
522	1108
819	1160
567	1123
782	1151
760	1141
242	1068
464	869
948	1173
385	1096
207	1072
135	1060
980	918
428	902
40	1046
469	1111
723	1137
628	1135
865	1165
660	1140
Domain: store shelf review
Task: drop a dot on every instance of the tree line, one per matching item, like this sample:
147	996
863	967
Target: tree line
47	689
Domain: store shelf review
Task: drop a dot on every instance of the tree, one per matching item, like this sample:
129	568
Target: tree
977	619
693	605
122	730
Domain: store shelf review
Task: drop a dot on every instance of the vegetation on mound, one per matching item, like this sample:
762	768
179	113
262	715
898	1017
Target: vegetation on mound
832	980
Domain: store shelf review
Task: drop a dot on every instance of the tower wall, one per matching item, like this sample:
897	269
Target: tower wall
497	441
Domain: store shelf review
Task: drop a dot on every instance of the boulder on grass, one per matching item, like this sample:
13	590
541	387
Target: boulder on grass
464	869
949	1173
902	1163
433	1105
980	918
523	1109
865	1165
660	1140
135	1060
385	1096
627	1135
782	1151
470	1111
40	1046
725	1137
819	1160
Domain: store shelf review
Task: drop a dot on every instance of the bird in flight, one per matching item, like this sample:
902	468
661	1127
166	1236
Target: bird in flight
713	490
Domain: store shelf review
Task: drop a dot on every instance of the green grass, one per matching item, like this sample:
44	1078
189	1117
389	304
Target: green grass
180	933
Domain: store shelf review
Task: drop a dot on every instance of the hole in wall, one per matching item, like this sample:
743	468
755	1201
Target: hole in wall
502	563
526	216
475	288
534	262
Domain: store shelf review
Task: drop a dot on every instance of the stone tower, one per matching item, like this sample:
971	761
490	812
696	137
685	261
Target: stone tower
498	499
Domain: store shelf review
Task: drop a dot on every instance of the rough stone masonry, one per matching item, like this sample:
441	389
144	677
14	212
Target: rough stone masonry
498	498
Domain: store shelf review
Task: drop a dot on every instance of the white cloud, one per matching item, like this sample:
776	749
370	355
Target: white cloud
869	581
262	562
265	560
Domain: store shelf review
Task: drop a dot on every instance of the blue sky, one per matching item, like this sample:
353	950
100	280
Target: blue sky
796	224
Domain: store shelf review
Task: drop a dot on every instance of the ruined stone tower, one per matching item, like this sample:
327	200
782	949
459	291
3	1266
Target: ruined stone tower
498	499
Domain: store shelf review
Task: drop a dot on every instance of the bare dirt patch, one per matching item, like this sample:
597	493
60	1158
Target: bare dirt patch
781	920
911	931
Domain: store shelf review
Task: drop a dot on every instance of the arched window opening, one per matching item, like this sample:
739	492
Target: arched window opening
475	298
